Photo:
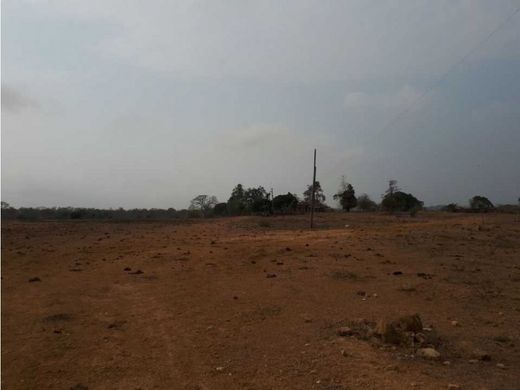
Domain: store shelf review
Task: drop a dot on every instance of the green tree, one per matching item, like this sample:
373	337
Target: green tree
396	200
257	200
285	204
236	204
318	194
364	203
346	196
238	192
389	202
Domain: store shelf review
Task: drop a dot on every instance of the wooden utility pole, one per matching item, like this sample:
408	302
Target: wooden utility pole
313	188
272	197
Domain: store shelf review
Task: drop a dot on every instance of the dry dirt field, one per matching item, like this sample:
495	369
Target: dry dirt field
256	303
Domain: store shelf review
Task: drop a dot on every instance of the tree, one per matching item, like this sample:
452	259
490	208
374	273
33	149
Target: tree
389	202
237	201
365	203
400	201
392	187
318	194
396	200
237	193
285	204
203	203
252	194
480	203
346	196
8	212
257	200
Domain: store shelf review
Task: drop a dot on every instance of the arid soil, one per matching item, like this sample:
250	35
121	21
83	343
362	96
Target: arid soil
257	303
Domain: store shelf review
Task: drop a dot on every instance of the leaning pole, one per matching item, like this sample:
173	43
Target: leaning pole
313	188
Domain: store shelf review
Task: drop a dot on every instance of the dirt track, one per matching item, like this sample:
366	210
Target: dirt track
255	303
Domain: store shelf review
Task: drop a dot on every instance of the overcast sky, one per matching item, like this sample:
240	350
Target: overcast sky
109	103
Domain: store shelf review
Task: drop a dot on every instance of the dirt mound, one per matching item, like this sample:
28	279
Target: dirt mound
406	331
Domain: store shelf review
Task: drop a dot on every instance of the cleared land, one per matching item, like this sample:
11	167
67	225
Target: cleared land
256	303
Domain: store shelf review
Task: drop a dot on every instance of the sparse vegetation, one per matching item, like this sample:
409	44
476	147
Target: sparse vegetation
256	201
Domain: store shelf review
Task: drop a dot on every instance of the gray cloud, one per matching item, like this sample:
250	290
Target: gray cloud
150	103
13	100
298	40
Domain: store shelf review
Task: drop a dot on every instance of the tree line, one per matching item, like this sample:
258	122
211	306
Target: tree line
258	201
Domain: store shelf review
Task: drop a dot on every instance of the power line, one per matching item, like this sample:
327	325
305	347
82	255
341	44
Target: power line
445	75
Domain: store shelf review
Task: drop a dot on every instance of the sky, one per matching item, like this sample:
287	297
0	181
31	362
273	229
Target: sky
141	104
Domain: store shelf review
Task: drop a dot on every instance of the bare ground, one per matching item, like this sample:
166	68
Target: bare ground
255	303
